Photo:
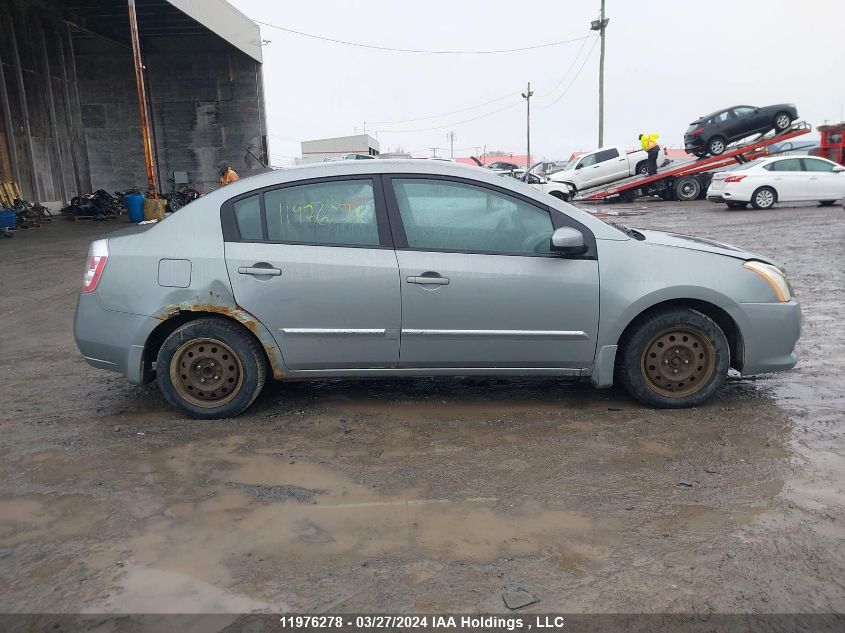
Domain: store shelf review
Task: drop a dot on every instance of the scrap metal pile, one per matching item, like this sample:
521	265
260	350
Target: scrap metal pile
96	206
18	213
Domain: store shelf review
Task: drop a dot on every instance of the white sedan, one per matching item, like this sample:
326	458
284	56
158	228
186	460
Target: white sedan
765	181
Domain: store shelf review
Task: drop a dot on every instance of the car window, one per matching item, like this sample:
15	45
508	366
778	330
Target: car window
743	111
248	218
722	116
333	213
589	160
814	164
453	216
607	154
787	164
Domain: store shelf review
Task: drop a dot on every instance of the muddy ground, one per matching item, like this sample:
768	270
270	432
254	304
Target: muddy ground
424	495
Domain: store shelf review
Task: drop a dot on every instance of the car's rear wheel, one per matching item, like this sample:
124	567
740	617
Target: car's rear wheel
737	205
210	368
716	145
687	189
782	121
674	358
764	198
559	195
827	203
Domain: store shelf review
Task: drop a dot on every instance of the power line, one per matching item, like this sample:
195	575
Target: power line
568	70
448	125
420	50
562	94
437	116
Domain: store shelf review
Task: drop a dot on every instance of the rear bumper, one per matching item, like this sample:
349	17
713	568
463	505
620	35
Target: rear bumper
112	340
769	334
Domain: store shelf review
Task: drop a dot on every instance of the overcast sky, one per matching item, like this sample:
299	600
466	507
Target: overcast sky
667	62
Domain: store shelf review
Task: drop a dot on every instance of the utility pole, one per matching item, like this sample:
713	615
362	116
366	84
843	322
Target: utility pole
451	138
433	151
600	25
527	96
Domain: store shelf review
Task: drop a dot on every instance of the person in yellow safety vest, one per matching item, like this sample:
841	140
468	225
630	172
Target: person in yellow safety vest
227	174
650	145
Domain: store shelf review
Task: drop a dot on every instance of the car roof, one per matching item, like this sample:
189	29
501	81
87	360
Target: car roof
397	166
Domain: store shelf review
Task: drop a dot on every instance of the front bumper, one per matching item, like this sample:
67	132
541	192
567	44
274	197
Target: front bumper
769	334
112	340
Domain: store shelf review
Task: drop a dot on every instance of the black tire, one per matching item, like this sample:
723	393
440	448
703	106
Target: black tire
736	205
672	384
223	348
764	198
827	203
559	195
717	145
687	189
642	168
782	121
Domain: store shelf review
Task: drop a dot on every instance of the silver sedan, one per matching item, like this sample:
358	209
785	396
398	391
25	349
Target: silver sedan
421	268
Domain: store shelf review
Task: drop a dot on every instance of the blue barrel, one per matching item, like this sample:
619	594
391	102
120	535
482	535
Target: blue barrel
135	206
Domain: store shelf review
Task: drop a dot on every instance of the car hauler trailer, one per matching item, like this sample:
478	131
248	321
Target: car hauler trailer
688	179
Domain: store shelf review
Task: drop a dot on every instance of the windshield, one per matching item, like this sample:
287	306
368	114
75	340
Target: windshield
571	164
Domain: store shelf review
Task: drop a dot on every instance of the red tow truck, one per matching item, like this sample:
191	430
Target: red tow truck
688	179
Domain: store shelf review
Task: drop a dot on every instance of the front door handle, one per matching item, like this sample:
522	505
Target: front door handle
431	281
259	270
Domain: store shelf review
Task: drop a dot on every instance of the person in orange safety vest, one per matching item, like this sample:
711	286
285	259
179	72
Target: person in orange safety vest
227	174
649	142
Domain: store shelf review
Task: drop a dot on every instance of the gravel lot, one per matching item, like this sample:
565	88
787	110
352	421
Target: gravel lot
424	495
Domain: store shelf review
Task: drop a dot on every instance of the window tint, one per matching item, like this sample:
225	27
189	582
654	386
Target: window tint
341	212
744	111
589	160
452	216
814	164
248	218
722	116
787	164
607	154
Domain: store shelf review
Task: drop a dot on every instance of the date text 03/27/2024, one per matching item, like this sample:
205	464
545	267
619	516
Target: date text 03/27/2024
543	622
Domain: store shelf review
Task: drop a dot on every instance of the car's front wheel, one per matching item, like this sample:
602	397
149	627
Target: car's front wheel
827	203
210	368
782	121
559	195
764	198
673	358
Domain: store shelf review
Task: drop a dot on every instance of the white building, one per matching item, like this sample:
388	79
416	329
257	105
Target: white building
318	150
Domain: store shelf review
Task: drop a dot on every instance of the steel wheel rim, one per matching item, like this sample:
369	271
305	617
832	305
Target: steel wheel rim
782	122
765	198
687	188
678	362
717	147
206	373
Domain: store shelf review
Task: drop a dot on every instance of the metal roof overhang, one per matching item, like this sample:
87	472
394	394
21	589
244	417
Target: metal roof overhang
162	18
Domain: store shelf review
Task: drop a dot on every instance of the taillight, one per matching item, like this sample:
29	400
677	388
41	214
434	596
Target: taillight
98	253
734	178
697	131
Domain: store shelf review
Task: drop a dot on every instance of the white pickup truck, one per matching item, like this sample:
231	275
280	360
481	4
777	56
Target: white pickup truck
596	168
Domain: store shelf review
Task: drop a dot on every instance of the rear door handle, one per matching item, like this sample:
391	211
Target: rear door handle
432	281
259	270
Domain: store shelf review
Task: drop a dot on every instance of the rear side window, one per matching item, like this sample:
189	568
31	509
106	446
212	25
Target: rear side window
248	218
607	154
722	116
788	164
332	213
814	164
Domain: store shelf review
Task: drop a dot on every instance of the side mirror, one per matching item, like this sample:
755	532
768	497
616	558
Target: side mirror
839	169
568	241
578	166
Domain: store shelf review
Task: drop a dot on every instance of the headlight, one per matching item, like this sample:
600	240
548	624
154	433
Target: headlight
775	277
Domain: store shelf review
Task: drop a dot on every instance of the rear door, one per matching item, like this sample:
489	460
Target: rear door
480	287
314	262
789	179
822	182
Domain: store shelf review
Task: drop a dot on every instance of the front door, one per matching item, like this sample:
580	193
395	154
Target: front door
309	261
822	182
789	179
479	285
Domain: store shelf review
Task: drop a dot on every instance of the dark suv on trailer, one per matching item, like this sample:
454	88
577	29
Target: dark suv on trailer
711	134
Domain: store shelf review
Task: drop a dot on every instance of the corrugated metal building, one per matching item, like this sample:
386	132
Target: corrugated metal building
69	106
320	149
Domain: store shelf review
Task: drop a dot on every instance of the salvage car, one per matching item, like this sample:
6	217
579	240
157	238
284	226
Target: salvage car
399	268
766	181
711	134
603	165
